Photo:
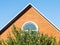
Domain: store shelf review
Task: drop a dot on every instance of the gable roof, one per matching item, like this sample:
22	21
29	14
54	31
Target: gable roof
18	16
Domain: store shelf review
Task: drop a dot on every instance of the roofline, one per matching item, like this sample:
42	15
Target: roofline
46	18
20	14
15	18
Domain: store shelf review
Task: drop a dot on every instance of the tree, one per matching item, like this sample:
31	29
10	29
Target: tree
28	38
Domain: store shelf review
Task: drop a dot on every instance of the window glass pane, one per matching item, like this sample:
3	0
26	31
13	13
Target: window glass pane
29	26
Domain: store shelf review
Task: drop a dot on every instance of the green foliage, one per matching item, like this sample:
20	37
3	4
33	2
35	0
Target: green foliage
28	37
0	42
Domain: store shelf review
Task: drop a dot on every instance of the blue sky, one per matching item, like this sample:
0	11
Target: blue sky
50	9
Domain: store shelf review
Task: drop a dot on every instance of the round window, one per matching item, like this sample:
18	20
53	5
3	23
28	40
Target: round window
30	26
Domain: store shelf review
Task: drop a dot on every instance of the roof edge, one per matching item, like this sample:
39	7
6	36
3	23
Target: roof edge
15	18
21	13
46	18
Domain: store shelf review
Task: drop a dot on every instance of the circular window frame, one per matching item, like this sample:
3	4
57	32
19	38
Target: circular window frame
32	23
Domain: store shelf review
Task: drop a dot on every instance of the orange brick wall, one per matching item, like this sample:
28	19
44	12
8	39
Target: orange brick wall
32	15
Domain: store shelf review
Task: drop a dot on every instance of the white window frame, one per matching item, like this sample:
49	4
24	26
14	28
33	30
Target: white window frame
30	22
